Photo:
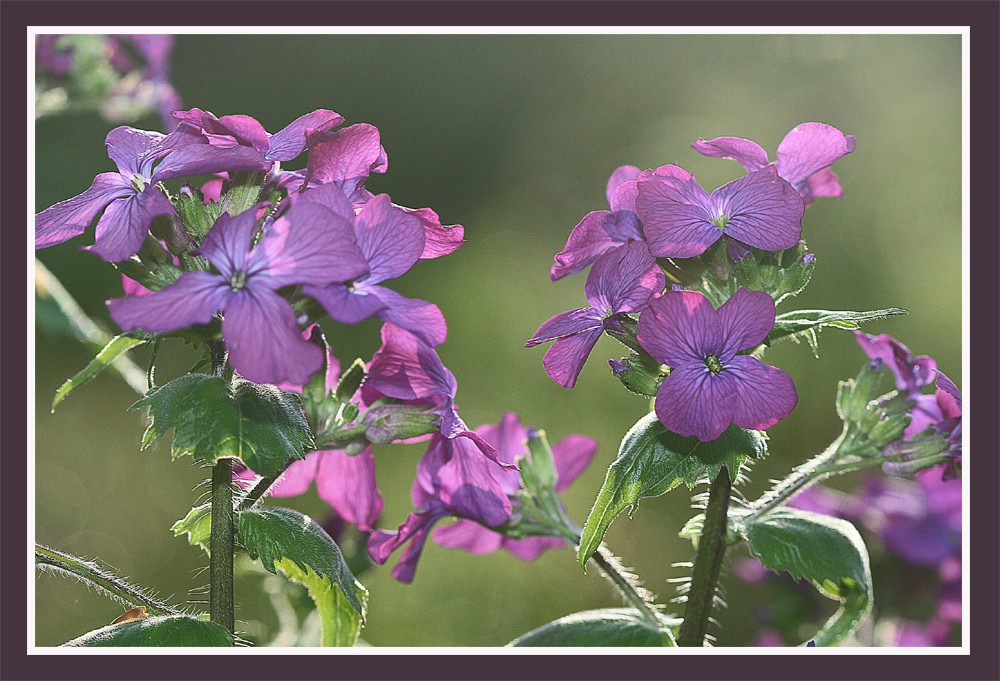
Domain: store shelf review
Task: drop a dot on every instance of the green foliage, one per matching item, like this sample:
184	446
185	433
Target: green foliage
652	461
160	631
286	539
825	550
261	425
805	324
197	524
611	627
115	348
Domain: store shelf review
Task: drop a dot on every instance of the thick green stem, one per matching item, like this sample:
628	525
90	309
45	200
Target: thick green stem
221	609
707	563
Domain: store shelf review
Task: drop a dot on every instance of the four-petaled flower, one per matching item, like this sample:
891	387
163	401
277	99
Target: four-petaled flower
307	245
803	157
622	280
681	220
710	386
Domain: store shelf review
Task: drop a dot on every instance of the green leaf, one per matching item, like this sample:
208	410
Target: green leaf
116	347
286	539
825	550
261	425
158	631
804	324
197	524
652	461
612	627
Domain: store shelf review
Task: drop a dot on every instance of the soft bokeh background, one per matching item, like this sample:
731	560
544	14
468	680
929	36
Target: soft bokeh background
514	137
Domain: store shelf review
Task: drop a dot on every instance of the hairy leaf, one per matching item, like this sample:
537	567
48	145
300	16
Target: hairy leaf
612	627
159	631
805	324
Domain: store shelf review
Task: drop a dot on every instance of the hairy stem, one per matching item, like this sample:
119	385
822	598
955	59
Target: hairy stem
627	585
102	580
221	608
707	563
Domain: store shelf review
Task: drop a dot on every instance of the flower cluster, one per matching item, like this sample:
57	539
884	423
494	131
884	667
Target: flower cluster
703	383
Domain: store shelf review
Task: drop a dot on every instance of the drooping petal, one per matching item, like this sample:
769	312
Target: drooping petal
810	147
624	279
309	244
680	327
246	130
572	455
415	530
763	210
564	361
193	299
67	219
422	318
352	152
746	319
692	401
344	305
765	394
750	154
598	232
389	238
264	341
567	324
468	535
347	483
289	142
458	475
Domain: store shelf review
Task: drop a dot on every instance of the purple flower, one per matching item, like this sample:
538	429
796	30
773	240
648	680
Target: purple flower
804	157
682	220
622	280
308	245
602	230
130	198
391	242
710	386
407	369
570	455
453	479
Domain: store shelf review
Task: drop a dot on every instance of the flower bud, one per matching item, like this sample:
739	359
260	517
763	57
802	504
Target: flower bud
888	430
623	328
855	395
640	375
191	210
906	457
389	422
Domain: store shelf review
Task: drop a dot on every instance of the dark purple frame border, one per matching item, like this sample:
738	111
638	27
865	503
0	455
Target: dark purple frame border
983	16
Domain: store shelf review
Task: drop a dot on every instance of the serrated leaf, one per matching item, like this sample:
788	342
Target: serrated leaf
612	627
286	539
197	524
115	348
804	324
827	551
652	461
158	631
261	425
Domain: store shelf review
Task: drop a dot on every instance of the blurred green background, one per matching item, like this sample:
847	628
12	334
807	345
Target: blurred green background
514	136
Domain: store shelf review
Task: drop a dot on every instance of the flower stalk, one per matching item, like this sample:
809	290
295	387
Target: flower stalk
221	540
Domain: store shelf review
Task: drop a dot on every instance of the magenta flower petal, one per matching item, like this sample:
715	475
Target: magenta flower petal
344	305
763	210
531	548
406	368
123	228
69	218
390	239
193	299
619	176
679	327
135	151
566	324
675	227
564	361
572	455
264	341
439	239
353	152
625	280
746	319
205	159
750	154
765	395
912	373
693	402
468	535
415	530
289	142
598	232
809	148
422	318
821	183
227	244
347	483
298	477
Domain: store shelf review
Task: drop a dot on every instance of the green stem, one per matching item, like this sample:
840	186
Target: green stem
707	563
221	608
92	574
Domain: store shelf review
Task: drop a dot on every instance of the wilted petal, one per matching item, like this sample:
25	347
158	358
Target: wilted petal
564	361
912	373
763	210
624	279
382	543
765	395
289	142
694	402
746	319
750	154
193	299
347	483
264	341
597	233
438	239
69	218
680	327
